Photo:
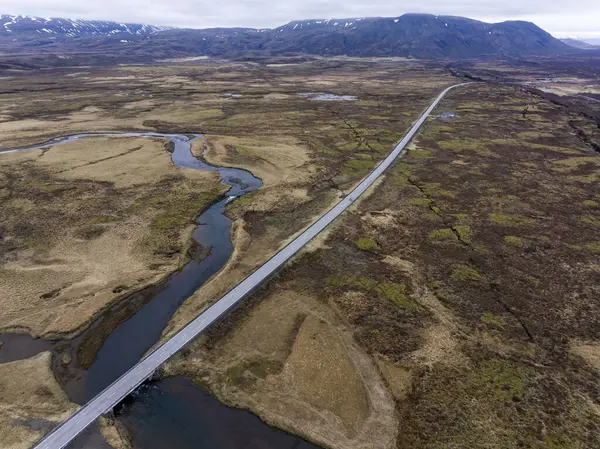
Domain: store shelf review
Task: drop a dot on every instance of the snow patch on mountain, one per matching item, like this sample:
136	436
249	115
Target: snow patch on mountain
72	27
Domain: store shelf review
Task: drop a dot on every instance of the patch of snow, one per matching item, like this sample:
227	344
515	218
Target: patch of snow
446	24
335	24
295	26
396	20
124	41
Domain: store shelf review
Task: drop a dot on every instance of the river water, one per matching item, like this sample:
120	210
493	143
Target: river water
170	412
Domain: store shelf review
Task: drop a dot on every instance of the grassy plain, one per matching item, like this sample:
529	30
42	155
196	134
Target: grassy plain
31	402
468	281
74	204
456	307
94	220
87	222
307	152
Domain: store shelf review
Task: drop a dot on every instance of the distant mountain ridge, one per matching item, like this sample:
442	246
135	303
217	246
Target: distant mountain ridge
423	36
579	44
71	28
415	35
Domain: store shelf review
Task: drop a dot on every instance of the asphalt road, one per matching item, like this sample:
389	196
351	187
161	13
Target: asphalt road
128	382
590	98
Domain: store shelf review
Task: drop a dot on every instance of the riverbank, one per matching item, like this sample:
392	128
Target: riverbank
307	153
87	222
80	363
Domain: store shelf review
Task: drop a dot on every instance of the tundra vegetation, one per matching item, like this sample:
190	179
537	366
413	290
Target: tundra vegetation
90	221
32	401
461	293
94	220
455	304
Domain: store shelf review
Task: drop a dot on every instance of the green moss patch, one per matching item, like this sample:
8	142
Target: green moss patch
420	201
514	241
573	163
367	244
511	220
466	273
391	291
356	166
396	294
419	153
593	247
442	235
464	232
490	318
502	379
590	219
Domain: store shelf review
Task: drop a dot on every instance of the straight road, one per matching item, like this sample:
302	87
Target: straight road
128	382
590	98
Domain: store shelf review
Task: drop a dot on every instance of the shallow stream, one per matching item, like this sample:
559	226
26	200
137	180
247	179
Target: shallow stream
170	412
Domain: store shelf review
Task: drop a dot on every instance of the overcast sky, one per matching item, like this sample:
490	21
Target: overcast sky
559	17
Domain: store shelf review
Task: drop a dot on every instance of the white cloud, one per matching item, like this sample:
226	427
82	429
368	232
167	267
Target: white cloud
577	17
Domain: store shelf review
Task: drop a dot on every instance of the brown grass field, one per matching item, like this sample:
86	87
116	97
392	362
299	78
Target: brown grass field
454	306
94	220
32	401
84	224
468	280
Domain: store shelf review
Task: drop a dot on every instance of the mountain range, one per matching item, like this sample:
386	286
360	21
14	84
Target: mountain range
578	43
410	35
21	25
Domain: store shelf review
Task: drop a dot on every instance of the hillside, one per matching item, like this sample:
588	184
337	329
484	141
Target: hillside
22	25
420	36
579	44
415	35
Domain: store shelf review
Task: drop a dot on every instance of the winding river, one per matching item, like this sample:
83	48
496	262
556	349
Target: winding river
170	412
